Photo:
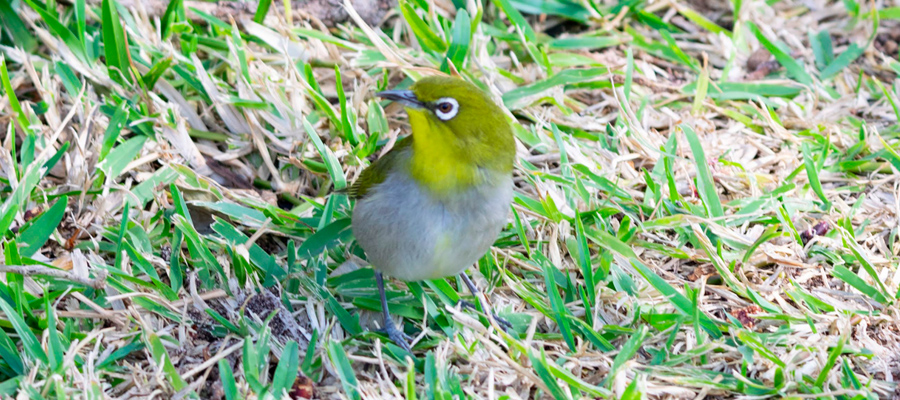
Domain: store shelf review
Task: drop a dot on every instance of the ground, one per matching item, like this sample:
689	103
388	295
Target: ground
707	200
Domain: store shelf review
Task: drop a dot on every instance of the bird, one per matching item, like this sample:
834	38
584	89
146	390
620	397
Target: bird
435	203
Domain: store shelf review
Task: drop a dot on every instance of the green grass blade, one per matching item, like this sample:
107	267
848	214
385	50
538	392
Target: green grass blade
226	375
114	44
678	300
261	10
702	21
57	28
628	351
331	162
832	359
559	309
705	184
43	226
858	252
174	13
121	156
461	36
20	117
160	355
518	98
286	371
15	27
700	95
424	33
842	61
812	172
344	370
794	68
517	19
822	48
540	366
752	340
30	343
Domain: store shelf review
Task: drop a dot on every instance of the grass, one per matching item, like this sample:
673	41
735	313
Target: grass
684	225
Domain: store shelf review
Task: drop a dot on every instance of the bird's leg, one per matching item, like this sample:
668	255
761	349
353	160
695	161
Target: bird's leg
396	335
506	325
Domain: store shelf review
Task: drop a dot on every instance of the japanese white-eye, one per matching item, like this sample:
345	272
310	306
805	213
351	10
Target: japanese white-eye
436	202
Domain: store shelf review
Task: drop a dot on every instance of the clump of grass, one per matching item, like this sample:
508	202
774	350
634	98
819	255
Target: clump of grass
705	202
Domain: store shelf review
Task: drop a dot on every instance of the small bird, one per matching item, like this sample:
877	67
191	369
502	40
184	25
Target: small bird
436	202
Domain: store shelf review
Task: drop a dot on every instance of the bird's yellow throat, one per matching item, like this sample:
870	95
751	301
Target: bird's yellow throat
440	161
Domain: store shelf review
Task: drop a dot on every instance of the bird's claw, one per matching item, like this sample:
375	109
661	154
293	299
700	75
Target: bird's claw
396	335
467	305
503	323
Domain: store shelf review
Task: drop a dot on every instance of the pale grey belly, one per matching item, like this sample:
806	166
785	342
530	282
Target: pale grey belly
408	235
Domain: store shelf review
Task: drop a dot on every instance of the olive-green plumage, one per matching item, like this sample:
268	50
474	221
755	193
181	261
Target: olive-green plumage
435	203
376	172
448	154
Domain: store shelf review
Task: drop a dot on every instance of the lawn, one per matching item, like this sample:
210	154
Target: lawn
707	200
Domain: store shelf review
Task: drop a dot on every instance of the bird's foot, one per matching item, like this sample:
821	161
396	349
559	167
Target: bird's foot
396	335
503	323
467	305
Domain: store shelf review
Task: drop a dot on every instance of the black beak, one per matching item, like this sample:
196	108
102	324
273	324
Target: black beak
405	97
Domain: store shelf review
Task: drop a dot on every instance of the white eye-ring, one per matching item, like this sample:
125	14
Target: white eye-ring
446	108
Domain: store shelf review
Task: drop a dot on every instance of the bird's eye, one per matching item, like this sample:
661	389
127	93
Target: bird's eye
446	108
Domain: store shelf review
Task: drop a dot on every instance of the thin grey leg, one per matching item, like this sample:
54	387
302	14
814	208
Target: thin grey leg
396	335
506	325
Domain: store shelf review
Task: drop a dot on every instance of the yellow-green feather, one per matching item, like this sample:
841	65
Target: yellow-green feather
378	171
448	156
437	162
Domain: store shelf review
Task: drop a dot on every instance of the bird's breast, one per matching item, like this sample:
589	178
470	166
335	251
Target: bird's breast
410	234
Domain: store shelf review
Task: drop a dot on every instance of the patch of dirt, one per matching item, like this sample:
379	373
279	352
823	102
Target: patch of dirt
702	271
887	40
745	315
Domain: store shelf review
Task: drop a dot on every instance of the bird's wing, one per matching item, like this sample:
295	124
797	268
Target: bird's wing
378	171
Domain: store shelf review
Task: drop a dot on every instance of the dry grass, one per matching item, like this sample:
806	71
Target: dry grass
714	220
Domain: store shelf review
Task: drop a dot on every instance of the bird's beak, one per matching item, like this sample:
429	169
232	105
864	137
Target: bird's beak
405	97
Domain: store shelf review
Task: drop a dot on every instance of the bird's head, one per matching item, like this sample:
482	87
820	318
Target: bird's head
457	130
